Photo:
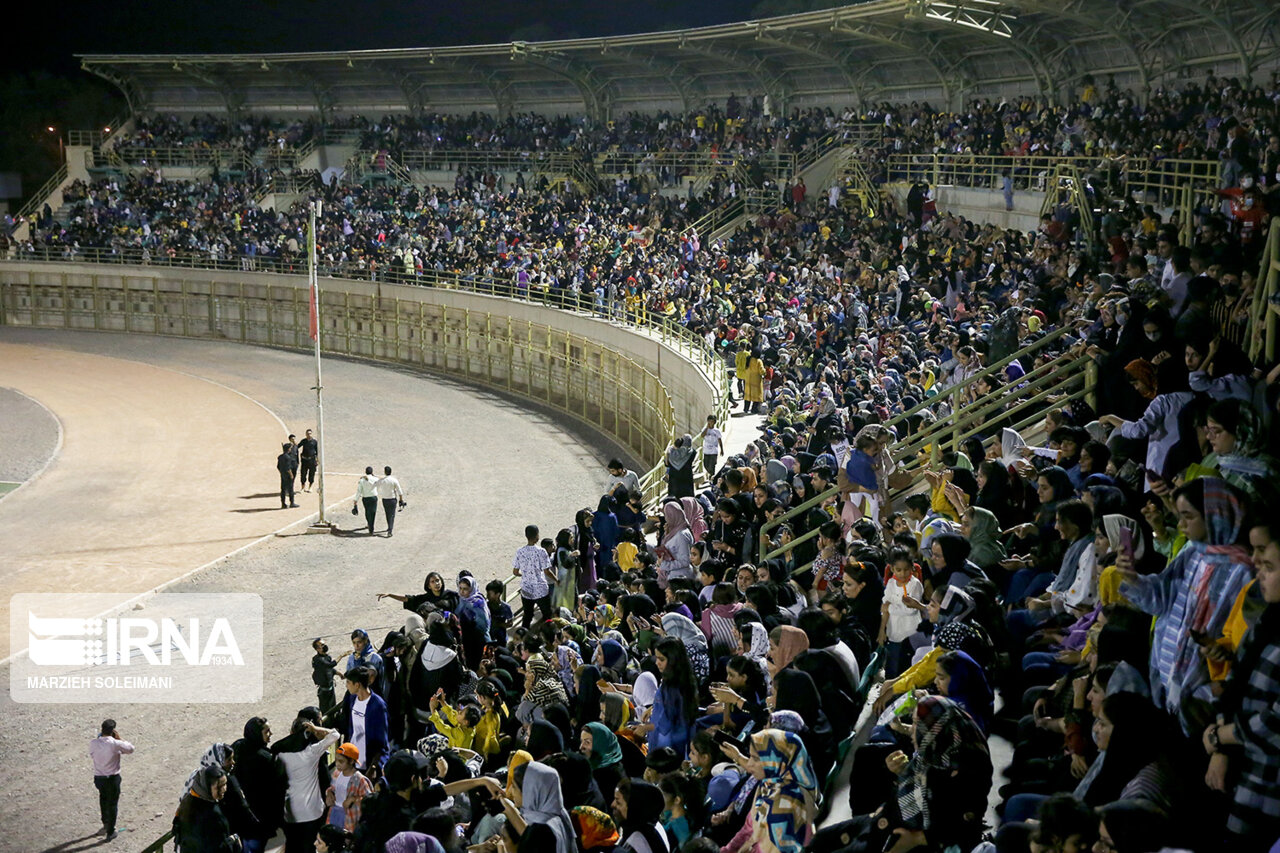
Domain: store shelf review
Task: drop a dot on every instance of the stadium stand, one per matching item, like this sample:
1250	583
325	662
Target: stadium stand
1024	472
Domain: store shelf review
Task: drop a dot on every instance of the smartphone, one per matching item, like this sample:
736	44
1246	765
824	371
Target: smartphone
1126	543
725	739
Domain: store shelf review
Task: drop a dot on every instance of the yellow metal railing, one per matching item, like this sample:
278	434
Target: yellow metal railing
1264	315
1016	405
39	197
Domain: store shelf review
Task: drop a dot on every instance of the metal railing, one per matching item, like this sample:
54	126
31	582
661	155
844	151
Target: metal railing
1015	405
1264	314
41	195
469	160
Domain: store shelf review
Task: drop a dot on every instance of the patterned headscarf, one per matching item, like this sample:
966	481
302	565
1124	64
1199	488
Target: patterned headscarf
547	689
214	756
595	828
607	616
1224	517
785	799
759	649
942	730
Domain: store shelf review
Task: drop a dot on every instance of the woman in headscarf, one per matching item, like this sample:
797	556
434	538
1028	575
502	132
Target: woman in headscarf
695	642
680	458
518	758
694	516
961	679
200	826
234	806
1193	595
949	563
794	690
611	656
1238	446
586	542
753	385
786	642
1032	576
586	700
542	802
785	806
473	616
604	525
542	687
638	807
982	529
673	551
601	747
597	832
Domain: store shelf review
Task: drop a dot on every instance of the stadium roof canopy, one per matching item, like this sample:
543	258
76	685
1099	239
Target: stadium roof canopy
941	50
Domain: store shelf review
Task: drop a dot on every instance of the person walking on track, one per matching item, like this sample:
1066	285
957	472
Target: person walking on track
392	496
367	493
308	450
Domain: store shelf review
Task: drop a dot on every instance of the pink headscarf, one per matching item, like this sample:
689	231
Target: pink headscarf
673	512
693	514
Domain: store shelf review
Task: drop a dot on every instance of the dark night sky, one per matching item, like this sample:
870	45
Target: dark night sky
163	26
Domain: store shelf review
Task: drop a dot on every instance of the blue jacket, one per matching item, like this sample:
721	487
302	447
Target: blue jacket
376	724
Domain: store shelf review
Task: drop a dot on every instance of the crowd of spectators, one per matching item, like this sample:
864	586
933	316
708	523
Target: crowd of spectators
248	133
1104	600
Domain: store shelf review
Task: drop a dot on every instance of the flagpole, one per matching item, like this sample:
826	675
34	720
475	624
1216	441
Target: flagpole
314	283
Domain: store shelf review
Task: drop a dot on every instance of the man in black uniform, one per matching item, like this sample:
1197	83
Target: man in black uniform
308	449
287	465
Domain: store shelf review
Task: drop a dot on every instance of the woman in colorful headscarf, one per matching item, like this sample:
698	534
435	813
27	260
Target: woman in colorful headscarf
940	795
1237	443
601	747
786	796
694	516
596	830
1193	596
542	687
695	642
673	551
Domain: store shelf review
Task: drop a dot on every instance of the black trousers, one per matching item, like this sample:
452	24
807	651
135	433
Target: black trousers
108	799
286	488
325	698
389	508
308	476
301	837
370	511
543	604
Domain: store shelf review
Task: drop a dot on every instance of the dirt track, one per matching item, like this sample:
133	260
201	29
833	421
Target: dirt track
477	468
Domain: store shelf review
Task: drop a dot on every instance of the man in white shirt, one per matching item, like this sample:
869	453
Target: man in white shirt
105	751
712	445
389	491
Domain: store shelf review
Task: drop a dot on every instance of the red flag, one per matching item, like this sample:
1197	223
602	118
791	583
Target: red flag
315	316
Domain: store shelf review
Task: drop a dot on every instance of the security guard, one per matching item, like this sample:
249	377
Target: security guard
287	465
308	449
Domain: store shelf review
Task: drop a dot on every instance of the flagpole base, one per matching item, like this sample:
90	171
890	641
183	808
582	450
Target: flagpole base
321	527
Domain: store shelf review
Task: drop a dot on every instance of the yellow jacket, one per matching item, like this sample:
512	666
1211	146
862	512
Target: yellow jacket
1233	631
460	737
920	676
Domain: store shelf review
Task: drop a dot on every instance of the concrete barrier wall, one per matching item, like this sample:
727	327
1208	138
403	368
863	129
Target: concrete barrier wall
635	387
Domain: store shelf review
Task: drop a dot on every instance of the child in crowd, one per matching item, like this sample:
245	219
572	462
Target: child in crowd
499	612
900	612
459	726
323	670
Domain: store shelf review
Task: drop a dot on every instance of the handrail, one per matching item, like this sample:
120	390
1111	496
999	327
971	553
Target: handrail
1264	314
41	195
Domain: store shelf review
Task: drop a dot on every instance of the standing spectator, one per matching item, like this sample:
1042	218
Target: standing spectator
300	754
308	454
200	826
262	778
366	723
532	565
680	458
105	750
367	493
712	445
287	466
1006	189
389	491
323	670
621	475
